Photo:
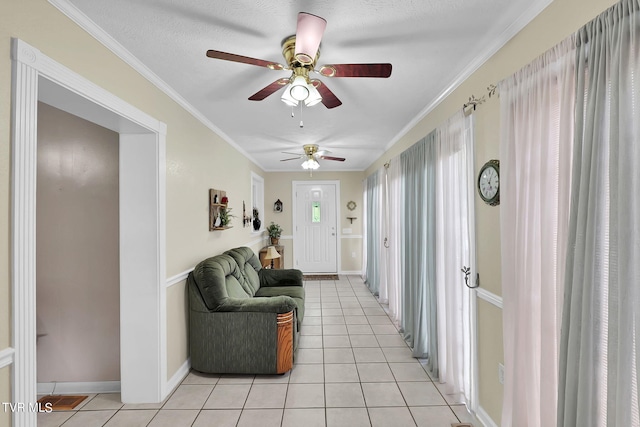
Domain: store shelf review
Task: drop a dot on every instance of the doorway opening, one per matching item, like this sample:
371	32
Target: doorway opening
142	224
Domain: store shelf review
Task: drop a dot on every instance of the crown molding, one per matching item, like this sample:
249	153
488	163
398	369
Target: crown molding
510	32
84	22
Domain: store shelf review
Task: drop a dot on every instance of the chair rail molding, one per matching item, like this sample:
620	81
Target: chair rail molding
6	357
489	297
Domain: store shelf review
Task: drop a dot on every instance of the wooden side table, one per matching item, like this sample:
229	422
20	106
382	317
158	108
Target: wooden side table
278	263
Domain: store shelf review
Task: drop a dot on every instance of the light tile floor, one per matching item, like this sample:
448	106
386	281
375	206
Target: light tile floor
352	369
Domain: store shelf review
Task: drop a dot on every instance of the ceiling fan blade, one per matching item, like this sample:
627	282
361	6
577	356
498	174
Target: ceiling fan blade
294	154
308	36
356	70
293	158
322	152
216	54
268	90
338	159
328	98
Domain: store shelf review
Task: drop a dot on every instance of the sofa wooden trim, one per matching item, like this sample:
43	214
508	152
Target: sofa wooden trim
284	361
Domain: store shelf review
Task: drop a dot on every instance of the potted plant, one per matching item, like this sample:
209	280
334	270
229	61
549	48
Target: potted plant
275	231
225	217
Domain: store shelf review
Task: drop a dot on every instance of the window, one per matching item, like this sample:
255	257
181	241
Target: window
257	199
315	212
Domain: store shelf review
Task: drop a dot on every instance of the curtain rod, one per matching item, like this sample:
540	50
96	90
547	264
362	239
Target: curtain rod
473	101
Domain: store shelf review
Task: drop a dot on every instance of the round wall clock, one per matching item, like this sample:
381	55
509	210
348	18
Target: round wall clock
489	182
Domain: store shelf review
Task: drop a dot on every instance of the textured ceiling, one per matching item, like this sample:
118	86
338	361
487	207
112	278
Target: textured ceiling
430	43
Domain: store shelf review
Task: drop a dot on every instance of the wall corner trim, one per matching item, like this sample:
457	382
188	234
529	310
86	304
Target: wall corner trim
6	357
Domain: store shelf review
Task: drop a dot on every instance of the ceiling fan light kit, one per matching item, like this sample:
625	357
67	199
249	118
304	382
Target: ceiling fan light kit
310	164
299	90
288	99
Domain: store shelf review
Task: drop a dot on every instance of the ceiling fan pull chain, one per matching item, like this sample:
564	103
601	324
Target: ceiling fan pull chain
301	124
292	113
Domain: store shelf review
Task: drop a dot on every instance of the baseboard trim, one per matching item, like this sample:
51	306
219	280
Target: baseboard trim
350	273
484	418
177	378
6	357
79	387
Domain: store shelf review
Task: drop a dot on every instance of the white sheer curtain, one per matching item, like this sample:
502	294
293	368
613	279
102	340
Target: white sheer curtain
374	231
393	211
417	267
601	319
537	105
455	249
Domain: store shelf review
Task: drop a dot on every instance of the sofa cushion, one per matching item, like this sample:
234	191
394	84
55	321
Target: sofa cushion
295	292
271	277
248	267
218	278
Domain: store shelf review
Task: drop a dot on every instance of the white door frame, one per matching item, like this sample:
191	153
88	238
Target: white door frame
142	224
294	185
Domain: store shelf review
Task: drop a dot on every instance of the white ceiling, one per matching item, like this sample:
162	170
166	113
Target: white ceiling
432	45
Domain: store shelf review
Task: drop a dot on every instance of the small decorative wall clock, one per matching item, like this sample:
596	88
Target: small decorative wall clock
277	206
489	182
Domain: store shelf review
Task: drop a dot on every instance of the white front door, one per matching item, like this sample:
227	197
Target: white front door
315	238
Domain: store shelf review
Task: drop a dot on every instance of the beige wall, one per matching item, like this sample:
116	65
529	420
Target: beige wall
490	354
554	24
197	159
5	395
278	185
77	250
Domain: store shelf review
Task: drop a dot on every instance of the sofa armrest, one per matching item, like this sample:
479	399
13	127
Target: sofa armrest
271	277
278	304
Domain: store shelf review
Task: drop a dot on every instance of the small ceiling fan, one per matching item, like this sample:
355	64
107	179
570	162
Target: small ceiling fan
312	154
301	52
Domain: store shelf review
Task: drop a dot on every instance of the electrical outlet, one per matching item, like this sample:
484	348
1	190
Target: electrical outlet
501	373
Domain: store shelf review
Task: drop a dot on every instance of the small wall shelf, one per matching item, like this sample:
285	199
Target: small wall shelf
351	218
215	207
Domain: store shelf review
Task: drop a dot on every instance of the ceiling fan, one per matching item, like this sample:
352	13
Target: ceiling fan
311	154
301	52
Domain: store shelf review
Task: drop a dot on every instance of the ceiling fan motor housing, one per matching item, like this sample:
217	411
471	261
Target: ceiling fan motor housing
288	51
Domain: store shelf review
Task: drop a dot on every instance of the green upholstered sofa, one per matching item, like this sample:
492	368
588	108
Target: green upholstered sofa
243	319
